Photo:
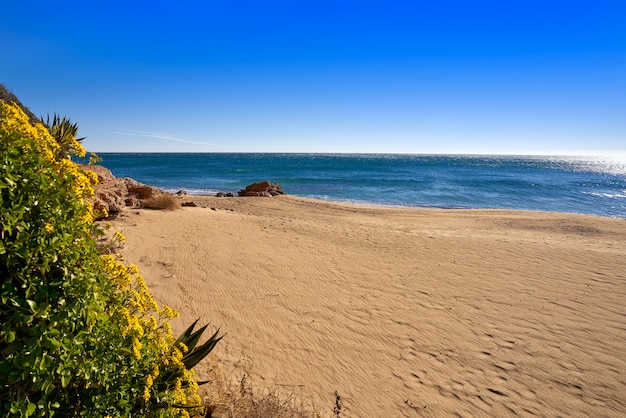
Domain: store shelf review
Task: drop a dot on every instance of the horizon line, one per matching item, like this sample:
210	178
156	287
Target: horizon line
613	154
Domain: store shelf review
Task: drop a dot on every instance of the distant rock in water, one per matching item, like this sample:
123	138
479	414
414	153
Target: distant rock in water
264	188
113	194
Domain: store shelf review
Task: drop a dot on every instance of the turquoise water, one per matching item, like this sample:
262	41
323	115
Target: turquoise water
591	185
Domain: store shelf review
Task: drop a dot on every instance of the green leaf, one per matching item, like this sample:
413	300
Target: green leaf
30	410
65	380
47	387
193	339
10	336
32	304
196	356
187	333
45	362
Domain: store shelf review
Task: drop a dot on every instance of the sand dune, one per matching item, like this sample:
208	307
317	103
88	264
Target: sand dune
403	312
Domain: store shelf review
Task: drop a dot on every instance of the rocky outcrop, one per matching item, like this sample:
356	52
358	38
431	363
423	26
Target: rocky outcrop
263	188
113	194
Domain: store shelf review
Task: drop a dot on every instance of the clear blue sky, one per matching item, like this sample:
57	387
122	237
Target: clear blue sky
496	77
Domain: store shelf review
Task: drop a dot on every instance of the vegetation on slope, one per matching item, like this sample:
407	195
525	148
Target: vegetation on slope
80	334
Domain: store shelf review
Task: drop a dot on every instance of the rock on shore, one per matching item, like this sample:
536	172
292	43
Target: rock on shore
263	188
113	194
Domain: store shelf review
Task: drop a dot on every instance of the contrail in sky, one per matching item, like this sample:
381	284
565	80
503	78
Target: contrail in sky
156	135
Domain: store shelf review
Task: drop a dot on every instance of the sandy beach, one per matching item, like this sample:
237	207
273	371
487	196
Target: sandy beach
402	312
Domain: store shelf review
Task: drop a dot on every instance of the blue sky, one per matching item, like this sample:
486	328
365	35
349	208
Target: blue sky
484	77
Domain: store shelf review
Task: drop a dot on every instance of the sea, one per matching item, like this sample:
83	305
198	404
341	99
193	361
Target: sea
587	185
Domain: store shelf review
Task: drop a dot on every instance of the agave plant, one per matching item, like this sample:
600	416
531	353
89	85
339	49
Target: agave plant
195	354
64	132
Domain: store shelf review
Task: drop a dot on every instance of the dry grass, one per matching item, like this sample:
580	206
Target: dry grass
163	201
234	397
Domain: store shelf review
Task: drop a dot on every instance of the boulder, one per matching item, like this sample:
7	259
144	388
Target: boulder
263	188
132	201
109	192
141	190
103	173
110	201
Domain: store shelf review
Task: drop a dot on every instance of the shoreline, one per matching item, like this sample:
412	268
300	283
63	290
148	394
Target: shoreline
373	205
402	311
370	204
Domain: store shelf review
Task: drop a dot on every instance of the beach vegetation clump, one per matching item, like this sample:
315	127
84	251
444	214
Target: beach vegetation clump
80	333
161	201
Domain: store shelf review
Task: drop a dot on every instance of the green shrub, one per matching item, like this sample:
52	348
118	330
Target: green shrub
80	334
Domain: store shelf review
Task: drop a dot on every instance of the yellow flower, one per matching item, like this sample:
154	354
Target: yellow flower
146	390
168	312
137	348
132	269
120	237
87	219
102	214
179	393
48	228
155	371
13	119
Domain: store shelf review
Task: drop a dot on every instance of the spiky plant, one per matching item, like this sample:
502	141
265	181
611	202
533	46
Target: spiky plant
193	354
64	132
190	339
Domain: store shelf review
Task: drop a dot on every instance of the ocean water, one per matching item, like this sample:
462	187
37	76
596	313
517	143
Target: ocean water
590	185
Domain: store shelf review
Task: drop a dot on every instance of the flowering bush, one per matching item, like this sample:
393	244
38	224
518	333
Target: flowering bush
80	334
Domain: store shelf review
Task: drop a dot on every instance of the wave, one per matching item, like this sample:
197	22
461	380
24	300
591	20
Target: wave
607	195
